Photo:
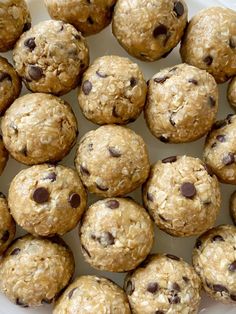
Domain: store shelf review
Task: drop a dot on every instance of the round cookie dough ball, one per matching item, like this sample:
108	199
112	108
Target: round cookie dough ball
116	234
39	128
89	17
214	259
46	200
92	295
35	270
10	84
112	161
113	91
149	29
7	225
3	156
164	284
15	19
233	207
182	104
231	93
182	196
220	149
216	51
51	57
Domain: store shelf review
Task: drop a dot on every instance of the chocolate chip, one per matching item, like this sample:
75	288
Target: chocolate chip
188	190
85	250
211	101
84	170
220	288
30	43
5	236
169	159
87	87
193	81
51	176
175	287
160	30
159	312
70	294
186	279
35	72
218	238
228	159
41	195
16	251
161	80
106	239
153	287
74	200
174	299
219	124
232	42
20	303
114	152
221	138
173	257
5	76
178	8
102	187
163	139
130	287
102	75
208	60
26	27
112	204
133	82
90	20
233	297
232	267
150	197
198	244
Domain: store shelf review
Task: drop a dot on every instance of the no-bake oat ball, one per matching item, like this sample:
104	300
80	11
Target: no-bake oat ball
231	93
39	128
163	284
112	160
51	57
182	196
214	259
92	295
113	90
149	29
3	156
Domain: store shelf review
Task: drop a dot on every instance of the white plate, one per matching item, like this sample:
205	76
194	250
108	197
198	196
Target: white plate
102	44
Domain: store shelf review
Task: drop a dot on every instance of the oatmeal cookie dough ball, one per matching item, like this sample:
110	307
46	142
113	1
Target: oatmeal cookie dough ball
220	149
51	57
216	51
182	196
113	91
46	200
232	206
15	19
3	156
149	29
92	295
35	270
7	225
89	17
10	84
231	93
116	234
182	104
112	161
164	284
39	128
214	259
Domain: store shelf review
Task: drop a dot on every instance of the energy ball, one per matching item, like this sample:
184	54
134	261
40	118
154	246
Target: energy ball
112	161
233	207
164	284
15	19
113	91
182	196
231	93
3	156
116	234
46	200
35	270
214	259
92	295
89	17
39	128
220	149
149	29
51	57
7	225
209	42
10	84
182	104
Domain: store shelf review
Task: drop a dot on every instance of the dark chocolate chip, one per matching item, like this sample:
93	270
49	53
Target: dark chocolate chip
74	200
160	30
193	81
232	42
178	8
218	238
84	170
219	124
114	112
228	159
16	251
133	82
20	303
90	20
161	80
198	244
87	87
102	187
112	204
114	152
186	279
41	195
150	197
173	257
188	190
52	176
100	74
107	239
220	288
163	139
174	299
5	76
175	287
153	287
221	138
208	60
169	159
35	72
26	27
233	297
85	250
70	294
5	236
30	43
232	267
130	287
211	101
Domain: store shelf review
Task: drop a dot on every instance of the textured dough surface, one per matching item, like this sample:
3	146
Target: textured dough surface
51	57
209	42
57	215
113	91
220	149
214	259
116	234
164	284
112	160
39	128
89	17
182	104
174	212
149	29
3	156
231	93
92	295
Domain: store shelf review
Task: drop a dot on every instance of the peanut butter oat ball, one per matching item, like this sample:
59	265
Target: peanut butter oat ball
116	234
149	29
35	270
112	161
113	90
89	17
209	42
182	104
39	128
163	284
3	156
51	57
182	196
231	93
214	259
46	200
92	295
